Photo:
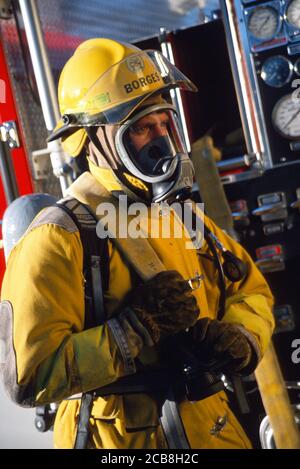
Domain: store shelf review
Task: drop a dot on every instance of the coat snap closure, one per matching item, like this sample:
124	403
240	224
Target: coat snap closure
219	425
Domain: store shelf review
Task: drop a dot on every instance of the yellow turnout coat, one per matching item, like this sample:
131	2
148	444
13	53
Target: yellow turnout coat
52	357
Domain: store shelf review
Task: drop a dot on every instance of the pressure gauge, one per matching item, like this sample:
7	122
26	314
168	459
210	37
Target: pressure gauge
264	22
277	71
292	13
286	116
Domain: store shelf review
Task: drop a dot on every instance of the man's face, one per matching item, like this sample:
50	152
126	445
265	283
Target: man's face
152	142
148	128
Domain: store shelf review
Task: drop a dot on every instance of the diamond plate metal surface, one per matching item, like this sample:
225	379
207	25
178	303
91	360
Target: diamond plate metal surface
27	102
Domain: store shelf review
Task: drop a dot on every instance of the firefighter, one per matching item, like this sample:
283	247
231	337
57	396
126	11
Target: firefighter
115	109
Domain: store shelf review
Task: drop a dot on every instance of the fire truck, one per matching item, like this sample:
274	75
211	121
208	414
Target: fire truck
244	57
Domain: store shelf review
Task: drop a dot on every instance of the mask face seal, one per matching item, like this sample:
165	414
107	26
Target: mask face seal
149	144
151	147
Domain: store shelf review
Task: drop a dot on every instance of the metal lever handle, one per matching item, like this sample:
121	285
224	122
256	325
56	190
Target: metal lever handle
238	162
270	264
295	204
239	215
292	384
269	260
266	209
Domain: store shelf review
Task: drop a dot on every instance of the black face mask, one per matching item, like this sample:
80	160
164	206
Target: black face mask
155	158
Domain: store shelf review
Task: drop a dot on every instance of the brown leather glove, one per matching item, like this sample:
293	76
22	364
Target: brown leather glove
230	346
163	306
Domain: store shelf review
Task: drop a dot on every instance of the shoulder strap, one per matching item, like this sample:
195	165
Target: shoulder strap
95	260
139	253
96	274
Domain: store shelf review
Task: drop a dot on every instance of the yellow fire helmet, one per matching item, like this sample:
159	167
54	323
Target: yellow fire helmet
104	82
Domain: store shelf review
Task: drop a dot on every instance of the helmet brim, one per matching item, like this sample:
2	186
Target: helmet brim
117	92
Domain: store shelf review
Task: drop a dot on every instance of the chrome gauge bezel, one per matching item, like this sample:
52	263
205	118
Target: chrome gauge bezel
252	11
291	70
274	113
297	67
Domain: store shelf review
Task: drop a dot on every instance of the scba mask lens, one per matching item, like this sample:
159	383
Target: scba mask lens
152	142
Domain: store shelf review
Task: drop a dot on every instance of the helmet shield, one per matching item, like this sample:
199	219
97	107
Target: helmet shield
149	144
118	91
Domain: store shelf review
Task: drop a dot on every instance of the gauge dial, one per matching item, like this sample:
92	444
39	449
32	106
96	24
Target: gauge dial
286	116
264	22
277	71
293	13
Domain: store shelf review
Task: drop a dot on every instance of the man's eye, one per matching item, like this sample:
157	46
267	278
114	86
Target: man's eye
141	130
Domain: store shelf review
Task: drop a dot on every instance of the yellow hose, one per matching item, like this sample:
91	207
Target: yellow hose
276	401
